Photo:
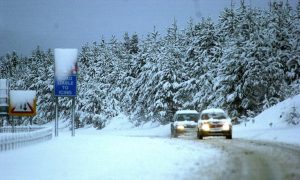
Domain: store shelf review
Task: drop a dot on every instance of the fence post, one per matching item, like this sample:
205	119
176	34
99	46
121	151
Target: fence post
13	123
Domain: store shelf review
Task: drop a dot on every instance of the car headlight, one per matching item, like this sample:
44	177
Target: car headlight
226	127
205	127
180	127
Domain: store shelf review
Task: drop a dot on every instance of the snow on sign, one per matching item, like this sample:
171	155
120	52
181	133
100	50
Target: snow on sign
65	82
22	103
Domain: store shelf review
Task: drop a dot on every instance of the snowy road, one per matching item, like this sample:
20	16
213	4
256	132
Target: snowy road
257	159
135	155
122	151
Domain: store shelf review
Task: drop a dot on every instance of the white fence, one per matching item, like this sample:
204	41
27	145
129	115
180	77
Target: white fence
22	136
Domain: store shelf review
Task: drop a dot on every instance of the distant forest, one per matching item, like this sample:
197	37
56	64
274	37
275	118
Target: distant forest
245	62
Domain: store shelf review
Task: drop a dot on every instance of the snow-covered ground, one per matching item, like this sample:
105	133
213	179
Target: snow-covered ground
121	151
113	153
106	157
271	124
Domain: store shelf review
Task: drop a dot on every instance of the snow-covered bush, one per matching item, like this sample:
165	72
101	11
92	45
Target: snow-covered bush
292	116
99	121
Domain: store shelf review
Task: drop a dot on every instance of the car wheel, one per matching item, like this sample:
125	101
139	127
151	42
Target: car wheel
173	132
175	135
199	135
229	136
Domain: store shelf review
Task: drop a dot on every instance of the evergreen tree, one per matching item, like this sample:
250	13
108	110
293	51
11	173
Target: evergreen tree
246	62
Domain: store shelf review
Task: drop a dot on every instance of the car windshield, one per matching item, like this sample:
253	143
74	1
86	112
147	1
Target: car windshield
213	116
187	117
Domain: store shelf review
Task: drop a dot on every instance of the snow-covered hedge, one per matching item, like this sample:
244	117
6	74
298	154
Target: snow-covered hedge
22	136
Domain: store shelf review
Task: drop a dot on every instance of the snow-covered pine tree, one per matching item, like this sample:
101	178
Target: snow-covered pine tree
40	78
128	63
166	76
293	63
227	22
134	41
94	89
280	31
228	84
141	91
242	64
83	116
211	53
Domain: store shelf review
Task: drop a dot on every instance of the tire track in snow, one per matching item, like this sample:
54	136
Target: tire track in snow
257	160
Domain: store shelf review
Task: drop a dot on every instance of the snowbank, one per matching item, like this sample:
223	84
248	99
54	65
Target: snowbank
272	124
120	122
121	125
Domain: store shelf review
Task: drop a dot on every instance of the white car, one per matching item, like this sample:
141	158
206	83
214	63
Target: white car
184	121
214	122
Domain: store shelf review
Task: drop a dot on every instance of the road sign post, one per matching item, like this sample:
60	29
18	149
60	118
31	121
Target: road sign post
56	116
73	116
65	81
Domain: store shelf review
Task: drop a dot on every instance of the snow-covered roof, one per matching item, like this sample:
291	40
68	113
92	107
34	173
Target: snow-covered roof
213	110
187	112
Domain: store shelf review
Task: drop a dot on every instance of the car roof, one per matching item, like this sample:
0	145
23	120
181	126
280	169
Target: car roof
187	112
213	110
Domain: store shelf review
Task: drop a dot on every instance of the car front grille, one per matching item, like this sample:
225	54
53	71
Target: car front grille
215	125
190	126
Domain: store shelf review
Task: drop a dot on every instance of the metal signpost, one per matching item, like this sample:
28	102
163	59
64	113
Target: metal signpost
66	86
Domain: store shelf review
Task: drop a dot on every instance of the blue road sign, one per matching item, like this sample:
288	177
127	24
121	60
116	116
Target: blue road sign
65	87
